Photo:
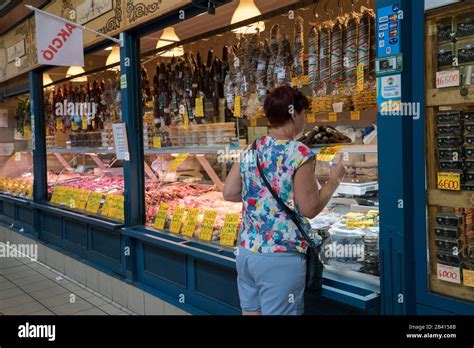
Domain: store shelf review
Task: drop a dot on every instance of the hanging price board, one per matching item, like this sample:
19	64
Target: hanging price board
191	222
199	107
229	230
207	225
360	78
311	117
449	181
237	105
160	219
332	117
355	116
327	154
93	203
114	207
177	162
177	219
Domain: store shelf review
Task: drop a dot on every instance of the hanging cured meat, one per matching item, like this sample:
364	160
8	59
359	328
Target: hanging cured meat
336	51
350	49
263	60
364	40
313	58
298	64
325	53
284	62
274	49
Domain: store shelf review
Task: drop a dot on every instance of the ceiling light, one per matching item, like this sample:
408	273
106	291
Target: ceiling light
46	80
114	56
246	10
108	48
168	38
76	70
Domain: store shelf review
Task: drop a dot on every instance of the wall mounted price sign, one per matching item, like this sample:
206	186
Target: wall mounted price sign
229	230
93	202
327	154
332	117
449	274
207	225
449	181
199	107
160	219
237	105
191	222
355	116
311	117
177	219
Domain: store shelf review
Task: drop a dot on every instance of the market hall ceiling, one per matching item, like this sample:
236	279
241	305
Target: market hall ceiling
13	12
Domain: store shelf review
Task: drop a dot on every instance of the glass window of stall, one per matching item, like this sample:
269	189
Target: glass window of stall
203	103
16	156
82	105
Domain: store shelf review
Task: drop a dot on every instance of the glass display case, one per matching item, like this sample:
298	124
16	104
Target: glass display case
84	173
16	160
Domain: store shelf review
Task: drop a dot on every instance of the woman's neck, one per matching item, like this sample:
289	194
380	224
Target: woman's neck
282	133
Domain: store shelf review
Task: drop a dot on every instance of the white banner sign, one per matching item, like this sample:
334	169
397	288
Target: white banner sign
58	42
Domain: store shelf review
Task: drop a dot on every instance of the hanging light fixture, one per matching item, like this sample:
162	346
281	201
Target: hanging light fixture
76	70
167	38
246	10
46	79
114	57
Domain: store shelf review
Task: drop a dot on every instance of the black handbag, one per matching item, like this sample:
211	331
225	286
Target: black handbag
314	266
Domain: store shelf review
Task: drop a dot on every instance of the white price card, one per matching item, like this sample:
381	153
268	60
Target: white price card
120	139
449	273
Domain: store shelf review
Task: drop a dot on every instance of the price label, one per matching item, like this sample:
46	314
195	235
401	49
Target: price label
237	104
59	124
311	117
360	77
449	181
149	104
93	202
191	222
332	117
449	274
355	116
253	122
327	154
30	191
82	198
468	277
199	107
74	126
177	162
114	207
160	218
304	80
58	194
207	225
229	230
177	219
84	122
156	142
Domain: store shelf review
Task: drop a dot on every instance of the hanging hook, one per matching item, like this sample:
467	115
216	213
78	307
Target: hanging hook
315	10
330	12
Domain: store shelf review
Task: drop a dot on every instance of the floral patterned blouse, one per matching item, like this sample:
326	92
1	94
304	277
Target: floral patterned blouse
265	227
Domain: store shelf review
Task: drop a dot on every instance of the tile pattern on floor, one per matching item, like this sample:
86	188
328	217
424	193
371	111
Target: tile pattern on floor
31	288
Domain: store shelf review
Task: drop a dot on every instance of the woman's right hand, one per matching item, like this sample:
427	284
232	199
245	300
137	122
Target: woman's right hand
338	172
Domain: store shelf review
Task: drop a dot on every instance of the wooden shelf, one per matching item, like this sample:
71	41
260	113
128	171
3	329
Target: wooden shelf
448	97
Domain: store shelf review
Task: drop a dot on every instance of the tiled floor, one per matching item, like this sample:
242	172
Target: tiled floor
31	288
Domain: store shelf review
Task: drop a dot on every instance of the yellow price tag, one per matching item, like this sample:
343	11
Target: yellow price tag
59	123
177	219
160	218
304	80
177	162
468	277
149	104
114	207
253	122
360	77
156	142
229	230
355	116
207	225
191	222
332	117
74	126
199	107
311	117
84	122
93	202
449	181
237	105
56	198
327	154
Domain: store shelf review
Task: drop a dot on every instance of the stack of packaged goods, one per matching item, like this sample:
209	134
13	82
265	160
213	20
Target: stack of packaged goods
107	135
91	139
469	149
203	134
450	241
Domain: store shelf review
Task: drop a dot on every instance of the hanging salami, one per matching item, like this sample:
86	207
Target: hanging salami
274	49
350	49
313	58
363	57
298	64
336	51
325	53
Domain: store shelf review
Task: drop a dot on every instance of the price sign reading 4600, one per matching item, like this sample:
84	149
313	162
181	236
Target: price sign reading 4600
449	181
